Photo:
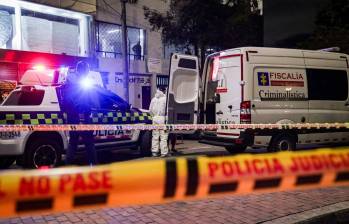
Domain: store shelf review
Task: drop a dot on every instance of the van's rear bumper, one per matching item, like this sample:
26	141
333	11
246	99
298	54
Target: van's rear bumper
212	139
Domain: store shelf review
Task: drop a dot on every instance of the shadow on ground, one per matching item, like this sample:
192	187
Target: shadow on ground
184	148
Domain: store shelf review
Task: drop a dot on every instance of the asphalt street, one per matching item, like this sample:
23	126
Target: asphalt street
184	148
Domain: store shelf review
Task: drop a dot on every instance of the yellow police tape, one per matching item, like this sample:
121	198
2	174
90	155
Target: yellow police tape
159	181
174	127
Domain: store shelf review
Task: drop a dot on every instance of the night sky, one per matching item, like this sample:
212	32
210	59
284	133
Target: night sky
289	19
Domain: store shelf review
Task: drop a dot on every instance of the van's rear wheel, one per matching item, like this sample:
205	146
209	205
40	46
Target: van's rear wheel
236	149
42	152
282	142
6	161
145	144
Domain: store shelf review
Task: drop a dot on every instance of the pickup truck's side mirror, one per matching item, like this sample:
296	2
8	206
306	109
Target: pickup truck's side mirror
115	106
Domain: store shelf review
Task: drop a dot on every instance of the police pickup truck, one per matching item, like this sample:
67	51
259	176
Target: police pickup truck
41	104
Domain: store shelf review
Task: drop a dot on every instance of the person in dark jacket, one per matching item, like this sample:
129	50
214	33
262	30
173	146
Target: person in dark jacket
77	103
137	49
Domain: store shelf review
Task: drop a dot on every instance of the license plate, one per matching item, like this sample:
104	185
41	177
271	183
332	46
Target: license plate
10	134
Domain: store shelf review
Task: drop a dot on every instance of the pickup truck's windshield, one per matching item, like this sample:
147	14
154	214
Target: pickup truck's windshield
109	100
103	99
24	98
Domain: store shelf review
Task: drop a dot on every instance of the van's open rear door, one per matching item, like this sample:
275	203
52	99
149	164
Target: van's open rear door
183	90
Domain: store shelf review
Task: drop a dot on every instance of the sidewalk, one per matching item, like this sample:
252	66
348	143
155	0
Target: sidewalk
254	208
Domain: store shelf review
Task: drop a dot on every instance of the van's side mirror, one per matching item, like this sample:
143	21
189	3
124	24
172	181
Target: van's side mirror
217	98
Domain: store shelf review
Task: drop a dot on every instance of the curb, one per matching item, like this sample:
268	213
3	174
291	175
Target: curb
335	214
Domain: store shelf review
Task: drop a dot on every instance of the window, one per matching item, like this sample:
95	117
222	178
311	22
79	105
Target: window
325	84
36	27
6	26
109	41
110	101
25	98
187	63
162	81
135	43
56	34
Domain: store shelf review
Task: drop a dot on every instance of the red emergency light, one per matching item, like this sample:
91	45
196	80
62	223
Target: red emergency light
18	62
39	67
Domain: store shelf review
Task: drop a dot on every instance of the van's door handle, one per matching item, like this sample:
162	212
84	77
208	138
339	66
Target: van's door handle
219	112
346	104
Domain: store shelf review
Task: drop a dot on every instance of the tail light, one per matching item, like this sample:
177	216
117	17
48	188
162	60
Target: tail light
214	68
245	112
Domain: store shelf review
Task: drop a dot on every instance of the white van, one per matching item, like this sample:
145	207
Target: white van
261	85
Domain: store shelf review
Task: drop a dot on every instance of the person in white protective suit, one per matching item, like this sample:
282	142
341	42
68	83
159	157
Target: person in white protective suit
157	110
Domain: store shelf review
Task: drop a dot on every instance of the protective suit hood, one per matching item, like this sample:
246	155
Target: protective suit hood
159	94
157	107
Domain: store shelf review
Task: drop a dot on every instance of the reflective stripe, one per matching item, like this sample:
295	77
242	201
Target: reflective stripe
35	118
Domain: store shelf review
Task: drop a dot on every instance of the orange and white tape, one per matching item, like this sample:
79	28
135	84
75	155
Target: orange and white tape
172	127
160	181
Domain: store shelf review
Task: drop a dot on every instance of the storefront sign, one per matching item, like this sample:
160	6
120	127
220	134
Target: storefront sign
154	65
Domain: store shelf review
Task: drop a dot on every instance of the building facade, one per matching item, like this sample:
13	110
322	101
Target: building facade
145	49
38	28
90	28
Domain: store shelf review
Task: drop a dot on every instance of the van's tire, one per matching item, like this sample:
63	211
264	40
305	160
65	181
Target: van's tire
283	142
42	152
6	161
145	144
236	149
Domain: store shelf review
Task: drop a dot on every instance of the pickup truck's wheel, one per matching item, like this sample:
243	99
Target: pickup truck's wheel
42	152
145	143
282	142
236	149
6	161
